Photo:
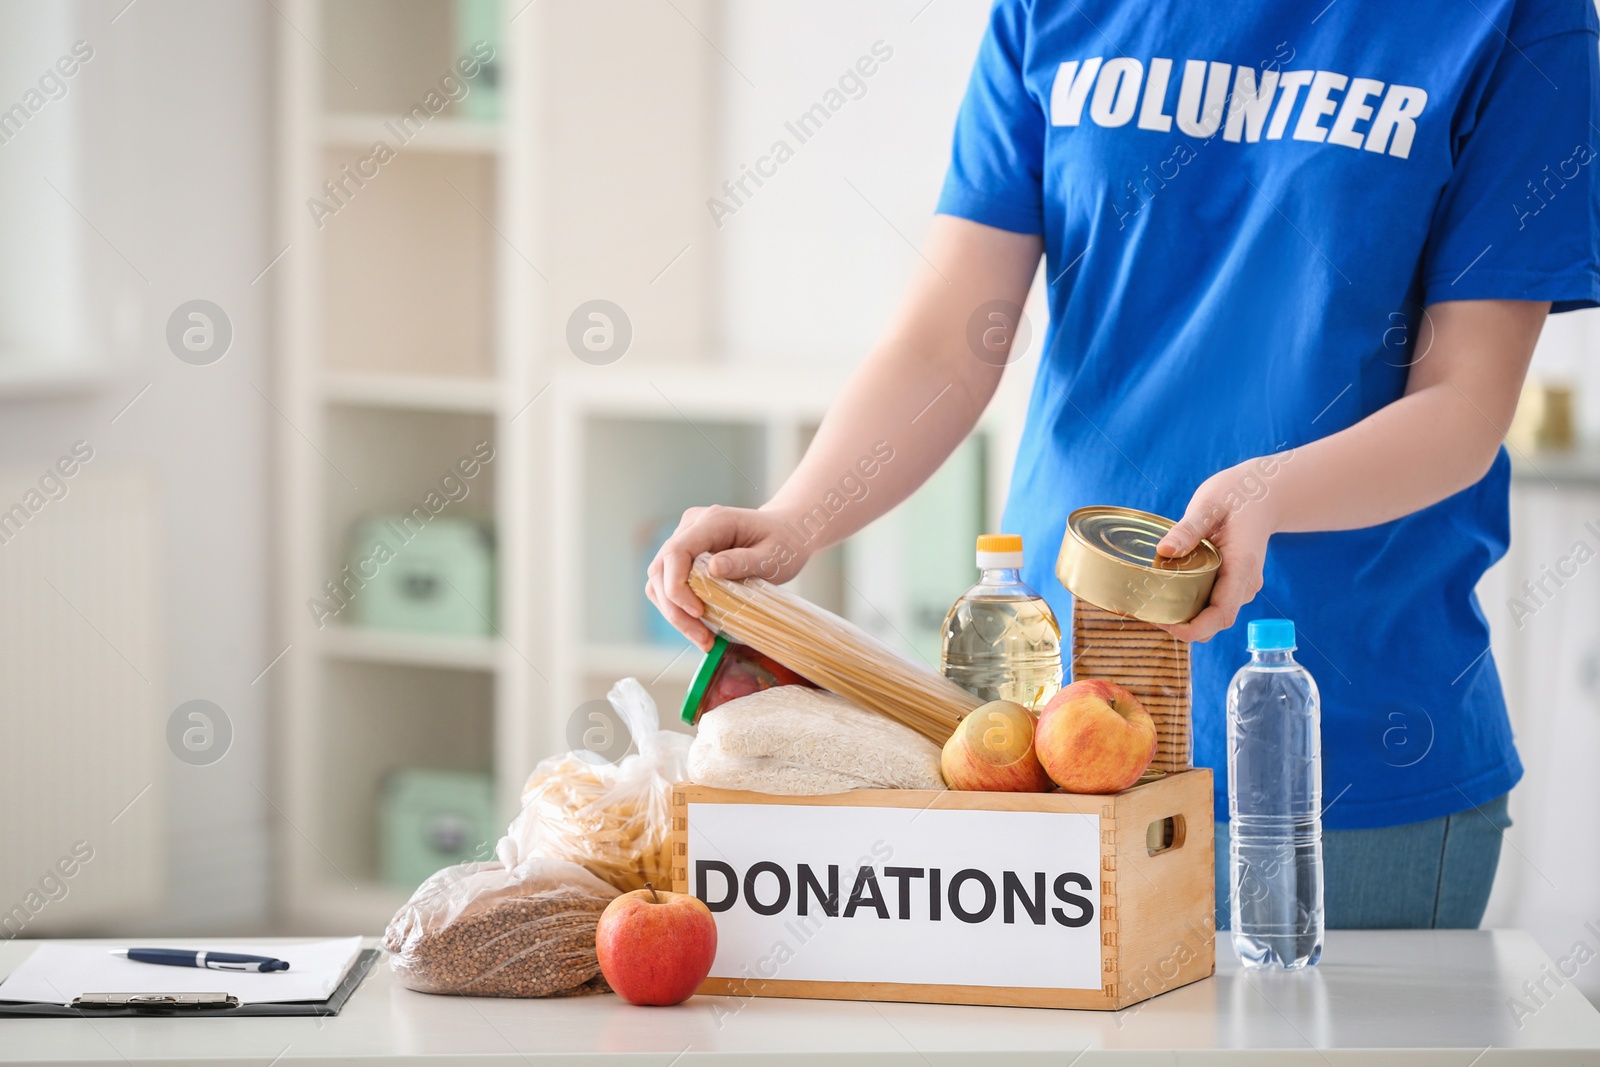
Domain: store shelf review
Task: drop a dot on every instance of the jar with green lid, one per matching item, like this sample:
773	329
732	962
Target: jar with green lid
730	671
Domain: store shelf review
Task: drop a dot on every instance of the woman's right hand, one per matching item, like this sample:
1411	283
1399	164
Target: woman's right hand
744	542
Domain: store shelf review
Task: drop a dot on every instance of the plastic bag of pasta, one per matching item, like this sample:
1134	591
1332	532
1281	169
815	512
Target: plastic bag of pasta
613	819
510	927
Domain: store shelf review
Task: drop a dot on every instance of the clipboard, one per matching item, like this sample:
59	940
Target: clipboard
207	1005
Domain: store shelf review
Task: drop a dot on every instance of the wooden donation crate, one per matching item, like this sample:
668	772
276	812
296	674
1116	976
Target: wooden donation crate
1028	899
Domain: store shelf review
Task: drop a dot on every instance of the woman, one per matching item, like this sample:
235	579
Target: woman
1297	262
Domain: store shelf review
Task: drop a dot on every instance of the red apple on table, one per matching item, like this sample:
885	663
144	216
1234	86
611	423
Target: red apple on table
993	750
1095	737
656	947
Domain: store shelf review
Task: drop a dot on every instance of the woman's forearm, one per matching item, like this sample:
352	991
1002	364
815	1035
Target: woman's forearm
1435	441
917	394
1414	453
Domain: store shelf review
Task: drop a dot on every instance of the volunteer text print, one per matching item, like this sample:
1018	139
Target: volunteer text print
924	893
1364	112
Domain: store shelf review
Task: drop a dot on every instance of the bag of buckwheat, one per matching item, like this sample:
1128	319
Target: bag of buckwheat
510	927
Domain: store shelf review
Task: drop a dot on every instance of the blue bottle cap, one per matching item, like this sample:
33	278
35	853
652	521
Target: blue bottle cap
1270	635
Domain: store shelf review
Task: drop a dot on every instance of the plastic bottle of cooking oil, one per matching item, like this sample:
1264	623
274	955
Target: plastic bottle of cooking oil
1001	641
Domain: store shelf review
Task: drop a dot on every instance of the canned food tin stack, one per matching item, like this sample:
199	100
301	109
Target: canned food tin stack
1121	590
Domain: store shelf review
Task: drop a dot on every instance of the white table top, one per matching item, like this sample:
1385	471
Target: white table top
1379	991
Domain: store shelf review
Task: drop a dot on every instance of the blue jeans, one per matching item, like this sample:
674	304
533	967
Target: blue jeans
1435	874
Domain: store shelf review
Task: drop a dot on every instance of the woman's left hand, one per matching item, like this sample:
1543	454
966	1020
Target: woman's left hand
1233	510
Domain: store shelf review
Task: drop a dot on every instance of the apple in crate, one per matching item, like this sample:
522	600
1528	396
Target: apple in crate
656	947
1095	737
992	750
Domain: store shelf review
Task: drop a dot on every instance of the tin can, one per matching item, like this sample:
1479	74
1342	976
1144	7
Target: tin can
1108	558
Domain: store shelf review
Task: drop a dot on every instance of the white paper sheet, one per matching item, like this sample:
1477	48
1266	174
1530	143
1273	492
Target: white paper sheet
59	971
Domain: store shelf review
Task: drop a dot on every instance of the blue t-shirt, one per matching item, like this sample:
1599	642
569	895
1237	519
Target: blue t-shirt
1244	209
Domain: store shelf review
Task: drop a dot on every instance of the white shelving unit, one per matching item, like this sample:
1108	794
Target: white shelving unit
427	314
675	441
406	328
353	645
359	131
413	392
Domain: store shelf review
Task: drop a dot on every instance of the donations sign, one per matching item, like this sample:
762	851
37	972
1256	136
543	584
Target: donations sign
899	895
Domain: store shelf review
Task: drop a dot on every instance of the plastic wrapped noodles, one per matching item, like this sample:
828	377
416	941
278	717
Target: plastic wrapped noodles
831	652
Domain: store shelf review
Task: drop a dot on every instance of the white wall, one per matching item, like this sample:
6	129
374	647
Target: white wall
1549	875
813	262
176	122
41	300
809	268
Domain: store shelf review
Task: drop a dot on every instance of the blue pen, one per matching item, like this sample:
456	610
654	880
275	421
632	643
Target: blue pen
211	961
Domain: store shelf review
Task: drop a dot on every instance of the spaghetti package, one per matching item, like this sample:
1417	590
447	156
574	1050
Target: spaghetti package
612	819
831	652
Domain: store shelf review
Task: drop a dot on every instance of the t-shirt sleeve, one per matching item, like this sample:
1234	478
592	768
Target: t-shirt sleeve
997	162
1519	218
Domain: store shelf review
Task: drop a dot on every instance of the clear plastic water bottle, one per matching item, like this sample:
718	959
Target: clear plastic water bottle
1001	640
1275	804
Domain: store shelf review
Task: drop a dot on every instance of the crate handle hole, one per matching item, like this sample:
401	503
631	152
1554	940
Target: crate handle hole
1164	835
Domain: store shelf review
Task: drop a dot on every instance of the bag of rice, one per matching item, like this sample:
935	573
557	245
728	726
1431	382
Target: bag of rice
796	741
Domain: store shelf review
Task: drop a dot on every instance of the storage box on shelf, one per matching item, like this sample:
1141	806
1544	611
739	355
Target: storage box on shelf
386	54
1024	899
410	506
434	819
381	718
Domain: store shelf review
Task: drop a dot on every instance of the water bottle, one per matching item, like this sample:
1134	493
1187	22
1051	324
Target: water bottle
1275	804
1001	640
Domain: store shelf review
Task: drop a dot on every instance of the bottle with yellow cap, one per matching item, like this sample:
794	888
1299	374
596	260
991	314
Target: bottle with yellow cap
1001	640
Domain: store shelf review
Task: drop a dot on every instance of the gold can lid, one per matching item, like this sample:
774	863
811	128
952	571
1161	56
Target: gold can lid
1128	536
1108	558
